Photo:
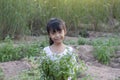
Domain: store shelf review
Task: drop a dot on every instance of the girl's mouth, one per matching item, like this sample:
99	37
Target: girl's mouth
57	39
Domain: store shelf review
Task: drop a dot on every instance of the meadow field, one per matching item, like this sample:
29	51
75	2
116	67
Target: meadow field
30	17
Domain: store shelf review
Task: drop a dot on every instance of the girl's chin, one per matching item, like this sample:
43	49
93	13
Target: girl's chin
58	42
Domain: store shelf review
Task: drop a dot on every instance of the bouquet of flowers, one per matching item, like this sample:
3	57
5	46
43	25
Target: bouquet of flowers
61	68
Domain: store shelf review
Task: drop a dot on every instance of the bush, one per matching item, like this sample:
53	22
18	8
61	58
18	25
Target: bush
104	49
1	74
83	41
103	53
10	52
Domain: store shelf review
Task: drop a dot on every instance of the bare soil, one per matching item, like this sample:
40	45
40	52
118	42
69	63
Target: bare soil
95	69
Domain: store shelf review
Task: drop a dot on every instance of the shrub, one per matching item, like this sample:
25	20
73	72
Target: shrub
1	74
83	41
103	53
104	49
9	52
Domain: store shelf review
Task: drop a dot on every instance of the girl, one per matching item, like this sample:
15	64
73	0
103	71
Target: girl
56	31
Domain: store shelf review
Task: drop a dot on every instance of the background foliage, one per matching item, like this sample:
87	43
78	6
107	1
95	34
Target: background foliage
30	16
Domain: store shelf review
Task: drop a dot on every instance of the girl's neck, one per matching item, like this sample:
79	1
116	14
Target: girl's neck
58	45
58	48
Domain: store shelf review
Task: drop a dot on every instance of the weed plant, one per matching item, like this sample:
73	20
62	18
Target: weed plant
103	53
83	41
70	42
10	52
1	74
104	49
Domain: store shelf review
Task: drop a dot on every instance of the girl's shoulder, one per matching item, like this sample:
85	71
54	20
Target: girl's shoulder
47	50
69	48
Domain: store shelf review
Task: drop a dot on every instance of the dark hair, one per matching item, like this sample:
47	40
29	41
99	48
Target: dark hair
54	25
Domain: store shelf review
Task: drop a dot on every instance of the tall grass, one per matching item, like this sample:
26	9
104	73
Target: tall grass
14	15
21	17
1	74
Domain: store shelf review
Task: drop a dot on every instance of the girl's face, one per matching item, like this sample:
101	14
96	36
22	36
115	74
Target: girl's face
57	36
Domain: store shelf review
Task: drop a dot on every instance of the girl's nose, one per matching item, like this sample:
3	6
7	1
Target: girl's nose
57	34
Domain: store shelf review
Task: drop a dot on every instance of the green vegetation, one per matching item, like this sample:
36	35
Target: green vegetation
83	41
103	53
61	68
1	74
14	16
70	42
29	17
43	63
103	47
10	52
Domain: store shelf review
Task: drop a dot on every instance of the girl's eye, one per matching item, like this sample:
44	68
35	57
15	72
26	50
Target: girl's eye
59	31
52	32
55	32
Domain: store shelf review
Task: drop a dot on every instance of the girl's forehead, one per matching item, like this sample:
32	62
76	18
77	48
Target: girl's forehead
56	30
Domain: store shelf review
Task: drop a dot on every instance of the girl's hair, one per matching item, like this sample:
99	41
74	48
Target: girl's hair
54	25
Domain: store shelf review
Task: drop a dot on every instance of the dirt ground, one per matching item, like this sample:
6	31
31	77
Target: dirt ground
95	69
